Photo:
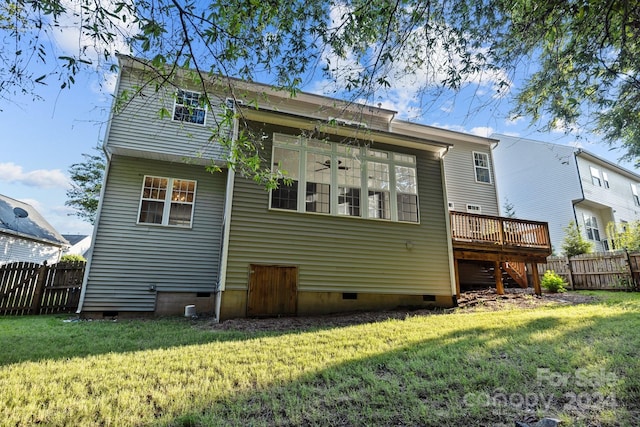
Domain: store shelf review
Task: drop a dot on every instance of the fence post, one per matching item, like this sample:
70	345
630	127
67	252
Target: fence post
573	288
632	283
37	295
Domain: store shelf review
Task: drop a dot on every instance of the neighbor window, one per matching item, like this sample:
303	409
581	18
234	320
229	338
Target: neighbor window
605	180
595	176
481	164
188	107
337	179
634	190
591	227
477	209
167	201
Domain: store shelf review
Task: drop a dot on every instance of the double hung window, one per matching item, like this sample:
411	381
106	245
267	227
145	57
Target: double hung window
591	227
343	180
167	201
188	107
481	165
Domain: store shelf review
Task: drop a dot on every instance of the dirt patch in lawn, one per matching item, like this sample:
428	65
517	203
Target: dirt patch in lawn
479	300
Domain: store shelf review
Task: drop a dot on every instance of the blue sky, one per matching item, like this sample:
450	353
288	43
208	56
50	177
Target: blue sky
41	139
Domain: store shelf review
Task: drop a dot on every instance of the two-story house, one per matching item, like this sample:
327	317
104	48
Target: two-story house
362	222
560	184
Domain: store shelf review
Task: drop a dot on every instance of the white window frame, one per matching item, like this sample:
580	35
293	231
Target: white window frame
591	227
167	201
595	176
605	179
365	156
634	191
477	167
193	106
451	206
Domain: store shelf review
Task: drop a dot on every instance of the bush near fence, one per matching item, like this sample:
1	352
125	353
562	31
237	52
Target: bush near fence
618	270
31	288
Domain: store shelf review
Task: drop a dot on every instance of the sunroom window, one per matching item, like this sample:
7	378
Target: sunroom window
167	201
344	180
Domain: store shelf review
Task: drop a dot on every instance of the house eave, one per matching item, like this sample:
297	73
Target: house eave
328	127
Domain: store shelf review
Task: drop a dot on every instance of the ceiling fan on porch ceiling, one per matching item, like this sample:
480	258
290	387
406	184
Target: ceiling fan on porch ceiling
327	165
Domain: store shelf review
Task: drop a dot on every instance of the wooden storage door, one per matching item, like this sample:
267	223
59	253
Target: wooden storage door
272	290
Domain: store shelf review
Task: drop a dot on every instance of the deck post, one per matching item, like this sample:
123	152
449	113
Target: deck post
457	277
498	275
536	278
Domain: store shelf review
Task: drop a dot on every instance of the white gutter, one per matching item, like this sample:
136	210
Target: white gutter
226	227
452	272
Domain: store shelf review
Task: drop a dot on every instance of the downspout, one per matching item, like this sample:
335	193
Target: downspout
581	199
226	227
452	275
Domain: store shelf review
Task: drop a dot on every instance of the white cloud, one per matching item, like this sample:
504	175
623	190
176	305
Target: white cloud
40	178
482	131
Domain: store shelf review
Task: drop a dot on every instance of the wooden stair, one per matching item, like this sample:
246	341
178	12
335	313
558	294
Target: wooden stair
517	271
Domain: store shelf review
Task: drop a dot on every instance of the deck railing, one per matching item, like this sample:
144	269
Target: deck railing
495	230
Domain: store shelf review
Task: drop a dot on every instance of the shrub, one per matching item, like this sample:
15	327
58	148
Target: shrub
552	282
574	243
72	258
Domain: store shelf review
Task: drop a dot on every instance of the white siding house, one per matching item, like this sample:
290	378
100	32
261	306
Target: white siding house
26	236
559	184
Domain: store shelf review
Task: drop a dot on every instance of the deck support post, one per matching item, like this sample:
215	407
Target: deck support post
498	275
457	277
536	278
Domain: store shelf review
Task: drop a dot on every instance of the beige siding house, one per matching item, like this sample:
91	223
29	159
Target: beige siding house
361	222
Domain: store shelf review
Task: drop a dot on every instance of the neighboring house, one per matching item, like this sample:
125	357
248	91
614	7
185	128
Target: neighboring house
560	184
79	244
364	224
26	236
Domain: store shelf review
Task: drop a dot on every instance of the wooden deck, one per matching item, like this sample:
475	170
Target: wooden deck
508	242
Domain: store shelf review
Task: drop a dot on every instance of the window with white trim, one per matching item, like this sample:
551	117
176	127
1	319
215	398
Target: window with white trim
591	227
634	191
477	209
188	107
481	165
342	180
595	176
605	179
167	201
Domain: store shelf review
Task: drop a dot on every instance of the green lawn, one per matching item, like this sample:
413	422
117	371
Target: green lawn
578	363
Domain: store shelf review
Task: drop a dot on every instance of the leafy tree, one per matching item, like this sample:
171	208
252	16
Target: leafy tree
583	56
625	236
86	183
574	243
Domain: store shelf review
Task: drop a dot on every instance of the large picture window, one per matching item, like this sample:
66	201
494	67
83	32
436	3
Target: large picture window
188	107
344	180
167	201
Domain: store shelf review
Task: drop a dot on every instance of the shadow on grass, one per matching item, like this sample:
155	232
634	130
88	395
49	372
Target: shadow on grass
588	374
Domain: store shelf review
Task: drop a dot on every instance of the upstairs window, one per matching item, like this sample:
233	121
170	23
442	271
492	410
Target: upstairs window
343	180
167	201
605	180
595	176
634	191
591	227
189	107
481	164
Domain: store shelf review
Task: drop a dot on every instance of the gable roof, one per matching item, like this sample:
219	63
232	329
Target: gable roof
21	219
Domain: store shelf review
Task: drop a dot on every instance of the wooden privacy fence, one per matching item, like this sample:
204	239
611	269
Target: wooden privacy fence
597	271
31	288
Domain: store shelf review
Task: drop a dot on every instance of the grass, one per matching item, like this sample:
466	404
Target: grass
577	363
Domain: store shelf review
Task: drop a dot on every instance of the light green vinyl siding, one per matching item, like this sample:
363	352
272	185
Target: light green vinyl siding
345	254
137	127
129	257
462	188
